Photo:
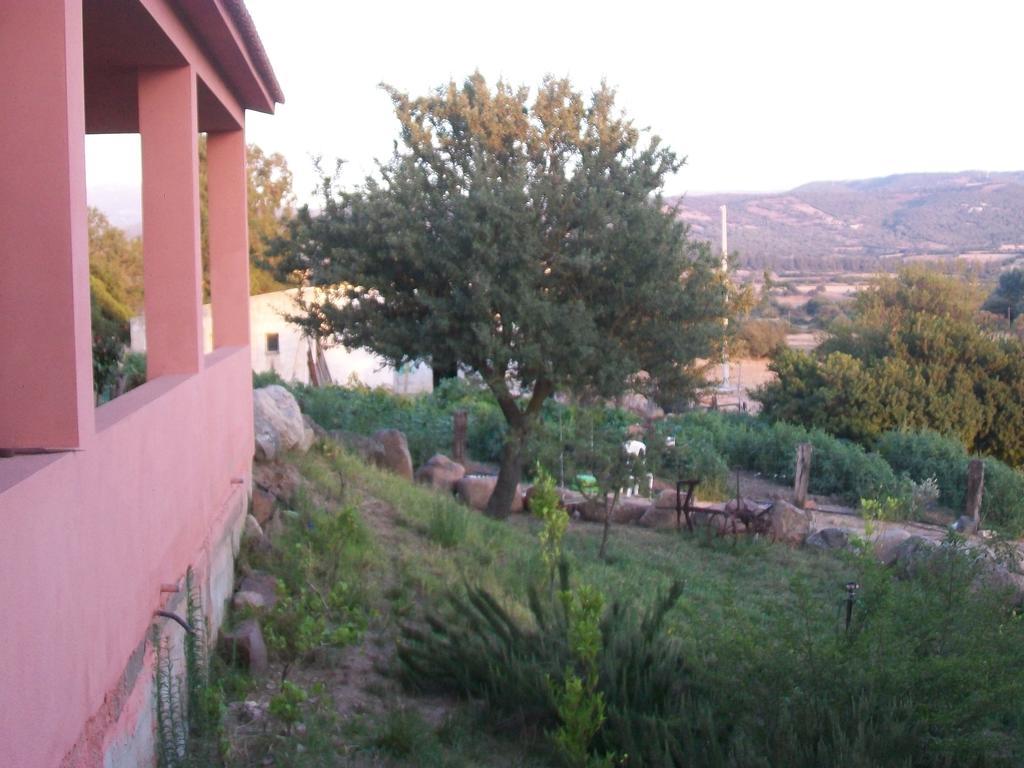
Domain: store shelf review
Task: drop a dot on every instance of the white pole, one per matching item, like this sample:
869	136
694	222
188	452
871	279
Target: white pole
725	272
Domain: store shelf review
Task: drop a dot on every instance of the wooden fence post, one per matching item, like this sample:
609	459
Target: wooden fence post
803	474
975	490
460	421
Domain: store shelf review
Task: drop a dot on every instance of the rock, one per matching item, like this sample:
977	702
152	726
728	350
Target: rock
280	480
278	423
630	509
263	503
742	506
658	517
252	529
911	554
997	576
887	545
368	449
965	525
396	457
571	501
568	499
788	523
661	484
640	405
440	472
318	431
749	514
480	467
475	491
248	600
666	499
260	589
828	538
244	645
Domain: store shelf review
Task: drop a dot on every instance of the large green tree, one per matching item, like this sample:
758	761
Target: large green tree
271	205
913	355
524	239
115	286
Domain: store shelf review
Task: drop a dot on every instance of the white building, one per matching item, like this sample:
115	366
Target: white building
280	346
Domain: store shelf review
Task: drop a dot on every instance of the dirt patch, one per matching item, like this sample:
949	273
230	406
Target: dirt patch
359	679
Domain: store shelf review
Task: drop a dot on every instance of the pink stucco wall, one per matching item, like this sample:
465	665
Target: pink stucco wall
156	481
88	538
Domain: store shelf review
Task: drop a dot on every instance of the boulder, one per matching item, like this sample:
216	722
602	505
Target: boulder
628	509
278	423
395	457
742	506
658	517
887	545
244	645
996	576
368	449
568	499
788	523
440	472
263	503
260	589
631	509
252	529
911	554
279	479
660	484
254	535
641	405
828	538
666	499
480	467
318	431
475	491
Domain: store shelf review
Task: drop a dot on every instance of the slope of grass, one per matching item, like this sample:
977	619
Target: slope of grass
927	675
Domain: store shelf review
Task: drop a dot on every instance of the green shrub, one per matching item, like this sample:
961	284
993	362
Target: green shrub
321	602
715	442
925	676
265	379
447	523
925	454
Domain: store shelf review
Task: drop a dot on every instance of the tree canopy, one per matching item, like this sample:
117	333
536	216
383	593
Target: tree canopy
522	239
914	356
270	202
1007	300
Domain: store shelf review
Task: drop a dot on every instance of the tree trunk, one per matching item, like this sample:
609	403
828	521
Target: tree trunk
500	503
803	474
607	520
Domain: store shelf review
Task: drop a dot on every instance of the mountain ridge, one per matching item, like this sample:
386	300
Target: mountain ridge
858	223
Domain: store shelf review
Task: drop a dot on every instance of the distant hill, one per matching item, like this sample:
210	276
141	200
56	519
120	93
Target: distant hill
861	224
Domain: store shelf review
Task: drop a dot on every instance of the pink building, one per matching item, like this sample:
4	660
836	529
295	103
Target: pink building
102	508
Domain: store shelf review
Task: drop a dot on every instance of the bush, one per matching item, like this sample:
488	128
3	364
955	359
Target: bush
923	677
925	454
425	419
762	338
740	441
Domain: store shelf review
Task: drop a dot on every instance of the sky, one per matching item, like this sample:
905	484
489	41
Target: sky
759	96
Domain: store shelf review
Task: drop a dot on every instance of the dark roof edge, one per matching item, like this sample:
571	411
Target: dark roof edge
246	27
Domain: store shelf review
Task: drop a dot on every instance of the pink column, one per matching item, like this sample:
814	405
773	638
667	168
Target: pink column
172	270
45	348
228	230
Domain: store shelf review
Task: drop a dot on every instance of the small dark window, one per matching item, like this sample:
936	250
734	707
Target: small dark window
273	343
